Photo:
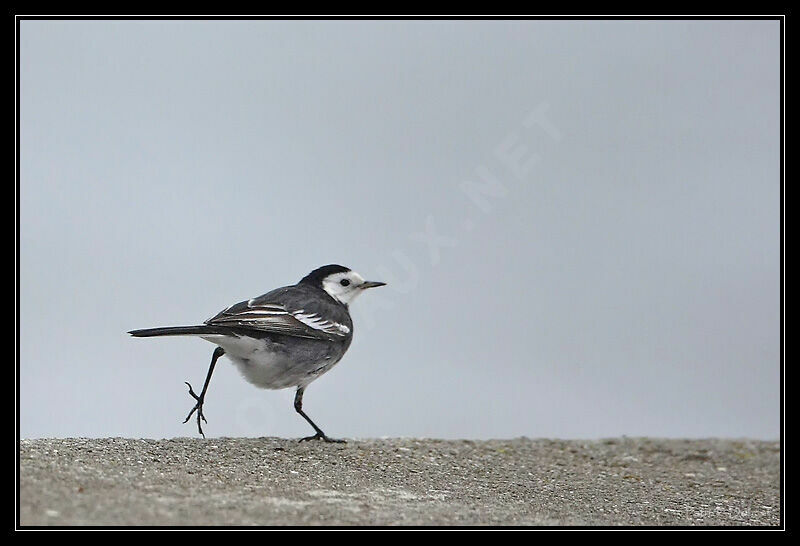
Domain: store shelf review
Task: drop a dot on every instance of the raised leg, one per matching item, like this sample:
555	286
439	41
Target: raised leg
298	406
198	407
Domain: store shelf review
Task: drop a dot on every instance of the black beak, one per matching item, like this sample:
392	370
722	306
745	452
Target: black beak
372	284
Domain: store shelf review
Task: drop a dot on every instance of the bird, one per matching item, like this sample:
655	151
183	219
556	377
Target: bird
285	338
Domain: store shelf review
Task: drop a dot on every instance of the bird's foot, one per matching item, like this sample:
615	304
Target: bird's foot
320	436
198	407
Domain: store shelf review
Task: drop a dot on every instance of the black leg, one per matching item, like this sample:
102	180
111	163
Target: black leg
198	407
298	406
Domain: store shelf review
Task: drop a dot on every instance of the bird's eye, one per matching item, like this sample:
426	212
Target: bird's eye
344	282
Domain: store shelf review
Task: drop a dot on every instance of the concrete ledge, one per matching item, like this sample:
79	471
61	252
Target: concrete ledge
270	481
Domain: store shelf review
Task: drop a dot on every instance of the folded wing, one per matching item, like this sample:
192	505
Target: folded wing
280	318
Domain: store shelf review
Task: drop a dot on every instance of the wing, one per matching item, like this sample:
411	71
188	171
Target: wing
268	315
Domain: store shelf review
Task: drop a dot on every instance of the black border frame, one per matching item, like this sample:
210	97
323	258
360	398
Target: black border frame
84	17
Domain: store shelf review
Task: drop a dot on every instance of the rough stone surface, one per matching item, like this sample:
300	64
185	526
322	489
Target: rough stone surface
278	482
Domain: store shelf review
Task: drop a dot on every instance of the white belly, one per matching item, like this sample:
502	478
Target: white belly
265	368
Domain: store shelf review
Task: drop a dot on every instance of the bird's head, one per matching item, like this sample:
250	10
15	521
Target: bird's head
341	283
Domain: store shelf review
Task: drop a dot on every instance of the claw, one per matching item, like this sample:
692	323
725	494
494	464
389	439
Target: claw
198	407
192	391
323	438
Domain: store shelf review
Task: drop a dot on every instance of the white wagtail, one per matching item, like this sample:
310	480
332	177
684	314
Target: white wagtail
285	338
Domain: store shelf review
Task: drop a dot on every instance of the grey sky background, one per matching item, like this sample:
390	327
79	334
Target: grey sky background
618	273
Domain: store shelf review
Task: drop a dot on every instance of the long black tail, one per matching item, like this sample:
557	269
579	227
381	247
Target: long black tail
178	331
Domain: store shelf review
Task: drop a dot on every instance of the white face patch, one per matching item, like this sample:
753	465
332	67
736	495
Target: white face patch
343	287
